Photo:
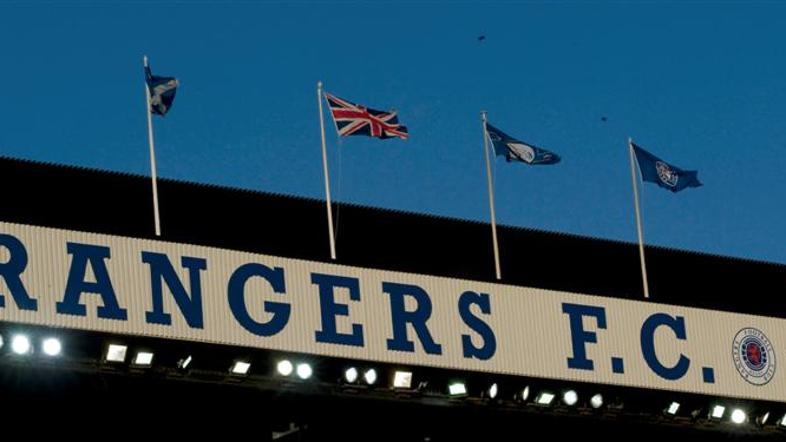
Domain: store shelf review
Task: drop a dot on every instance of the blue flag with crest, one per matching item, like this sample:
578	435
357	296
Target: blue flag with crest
516	150
665	175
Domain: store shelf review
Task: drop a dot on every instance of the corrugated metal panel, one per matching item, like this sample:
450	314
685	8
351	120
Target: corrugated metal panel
532	332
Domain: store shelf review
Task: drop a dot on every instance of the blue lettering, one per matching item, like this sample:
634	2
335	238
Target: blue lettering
11	272
84	254
489	340
161	271
401	317
579	336
329	309
236	293
677	325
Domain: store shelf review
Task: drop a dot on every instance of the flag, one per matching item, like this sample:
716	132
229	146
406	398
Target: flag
513	149
354	119
162	92
657	171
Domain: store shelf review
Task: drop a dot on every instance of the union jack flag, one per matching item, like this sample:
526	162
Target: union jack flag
354	119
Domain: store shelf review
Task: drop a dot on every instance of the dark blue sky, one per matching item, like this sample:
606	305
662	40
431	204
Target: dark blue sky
700	84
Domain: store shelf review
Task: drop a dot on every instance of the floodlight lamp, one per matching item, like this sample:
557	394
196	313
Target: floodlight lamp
52	346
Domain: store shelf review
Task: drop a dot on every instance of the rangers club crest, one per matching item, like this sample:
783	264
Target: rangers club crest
666	174
753	356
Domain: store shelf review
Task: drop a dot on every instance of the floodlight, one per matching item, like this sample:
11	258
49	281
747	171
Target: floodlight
116	353
717	411
52	346
351	374
284	367
20	344
524	395
738	416
370	376
570	398
544	398
402	379
457	389
492	391
143	359
240	368
304	371
184	363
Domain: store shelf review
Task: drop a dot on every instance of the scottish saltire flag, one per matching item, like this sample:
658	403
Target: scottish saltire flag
354	119
657	171
515	150
162	92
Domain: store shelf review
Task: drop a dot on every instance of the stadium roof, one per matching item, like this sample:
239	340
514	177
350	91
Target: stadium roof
120	204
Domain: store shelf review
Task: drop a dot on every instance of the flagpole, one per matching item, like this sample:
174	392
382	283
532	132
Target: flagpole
327	177
152	156
491	195
638	219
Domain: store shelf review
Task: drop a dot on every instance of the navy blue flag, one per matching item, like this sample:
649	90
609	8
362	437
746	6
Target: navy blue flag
515	150
657	171
162	92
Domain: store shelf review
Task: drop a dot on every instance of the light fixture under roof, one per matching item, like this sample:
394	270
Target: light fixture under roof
20	344
493	391
738	416
524	394
351	375
285	367
457	389
184	363
717	411
674	407
544	398
370	376
240	368
304	371
596	401
570	398
116	353
402	379
143	359
51	346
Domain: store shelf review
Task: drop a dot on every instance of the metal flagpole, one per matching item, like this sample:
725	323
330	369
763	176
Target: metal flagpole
327	177
152	155
638	218
491	194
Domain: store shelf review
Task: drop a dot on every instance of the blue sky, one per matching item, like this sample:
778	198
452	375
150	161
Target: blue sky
700	84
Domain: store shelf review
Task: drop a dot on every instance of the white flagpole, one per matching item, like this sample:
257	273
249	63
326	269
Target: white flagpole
491	194
638	218
152	156
327	177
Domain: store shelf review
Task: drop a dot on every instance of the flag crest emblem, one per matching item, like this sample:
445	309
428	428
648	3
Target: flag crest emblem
516	150
666	174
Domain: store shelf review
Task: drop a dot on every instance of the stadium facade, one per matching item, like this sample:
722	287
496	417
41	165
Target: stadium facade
245	277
